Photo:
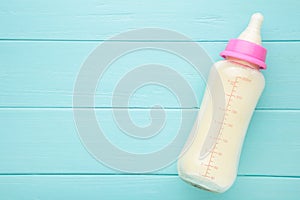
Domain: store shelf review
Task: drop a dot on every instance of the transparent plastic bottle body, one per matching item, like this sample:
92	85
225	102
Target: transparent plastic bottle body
216	169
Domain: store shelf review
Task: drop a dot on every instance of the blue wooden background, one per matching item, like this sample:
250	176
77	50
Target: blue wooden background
44	43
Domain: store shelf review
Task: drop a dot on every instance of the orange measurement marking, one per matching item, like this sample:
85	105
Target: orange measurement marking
213	152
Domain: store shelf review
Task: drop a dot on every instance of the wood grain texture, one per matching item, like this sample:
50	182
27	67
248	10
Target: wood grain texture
42	74
140	187
46	141
90	20
44	43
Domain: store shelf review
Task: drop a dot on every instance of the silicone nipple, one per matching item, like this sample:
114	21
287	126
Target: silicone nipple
252	32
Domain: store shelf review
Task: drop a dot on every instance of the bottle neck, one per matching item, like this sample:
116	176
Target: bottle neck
243	63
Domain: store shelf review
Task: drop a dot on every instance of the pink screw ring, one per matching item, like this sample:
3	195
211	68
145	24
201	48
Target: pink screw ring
247	51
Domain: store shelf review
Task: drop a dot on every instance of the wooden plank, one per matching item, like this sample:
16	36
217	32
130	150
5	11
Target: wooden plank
140	187
46	141
42	74
90	20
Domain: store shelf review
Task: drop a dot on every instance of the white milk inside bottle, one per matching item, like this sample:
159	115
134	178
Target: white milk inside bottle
210	159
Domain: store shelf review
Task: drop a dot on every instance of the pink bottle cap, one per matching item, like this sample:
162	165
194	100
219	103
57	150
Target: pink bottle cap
247	51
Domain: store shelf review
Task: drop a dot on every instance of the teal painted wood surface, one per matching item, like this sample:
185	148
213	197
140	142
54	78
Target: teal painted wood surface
140	187
43	45
42	74
46	141
98	20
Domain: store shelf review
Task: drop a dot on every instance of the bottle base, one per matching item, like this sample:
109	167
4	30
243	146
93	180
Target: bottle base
202	183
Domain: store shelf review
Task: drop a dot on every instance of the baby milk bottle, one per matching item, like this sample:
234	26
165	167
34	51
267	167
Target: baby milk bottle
210	158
